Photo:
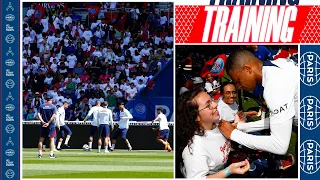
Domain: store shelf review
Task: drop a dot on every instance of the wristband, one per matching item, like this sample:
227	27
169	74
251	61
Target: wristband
227	172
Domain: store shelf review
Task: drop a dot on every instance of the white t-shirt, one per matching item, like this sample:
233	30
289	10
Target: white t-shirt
95	111
280	80
72	59
145	52
132	92
163	121
45	23
61	116
140	86
208	87
227	112
207	155
105	116
125	116
163	20
136	59
169	40
132	50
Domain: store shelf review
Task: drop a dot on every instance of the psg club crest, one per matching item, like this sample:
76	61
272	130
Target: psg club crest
140	108
218	66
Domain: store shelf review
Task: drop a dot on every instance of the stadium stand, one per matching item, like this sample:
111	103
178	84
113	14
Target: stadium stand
84	52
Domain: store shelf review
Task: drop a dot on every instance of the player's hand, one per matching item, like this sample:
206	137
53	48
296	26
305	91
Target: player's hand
239	168
226	128
45	125
251	113
242	116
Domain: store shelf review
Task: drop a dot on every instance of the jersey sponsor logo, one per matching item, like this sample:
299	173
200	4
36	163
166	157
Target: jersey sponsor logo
309	159
309	112
140	108
279	110
309	68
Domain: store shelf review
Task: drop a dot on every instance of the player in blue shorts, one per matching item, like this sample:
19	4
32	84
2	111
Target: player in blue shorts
47	113
62	127
94	123
104	120
164	130
125	116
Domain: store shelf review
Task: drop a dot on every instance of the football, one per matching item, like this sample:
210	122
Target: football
85	147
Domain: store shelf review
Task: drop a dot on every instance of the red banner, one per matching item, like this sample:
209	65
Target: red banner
93	11
247	24
38	12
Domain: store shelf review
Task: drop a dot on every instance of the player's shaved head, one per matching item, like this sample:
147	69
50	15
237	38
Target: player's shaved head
244	69
98	103
238	58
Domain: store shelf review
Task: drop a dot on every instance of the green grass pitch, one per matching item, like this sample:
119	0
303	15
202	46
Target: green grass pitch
81	164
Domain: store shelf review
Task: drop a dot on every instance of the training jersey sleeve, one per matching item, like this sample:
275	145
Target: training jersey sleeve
254	126
111	119
126	114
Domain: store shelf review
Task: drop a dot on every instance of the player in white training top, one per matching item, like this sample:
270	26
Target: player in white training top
105	119
123	128
164	130
94	123
280	80
62	127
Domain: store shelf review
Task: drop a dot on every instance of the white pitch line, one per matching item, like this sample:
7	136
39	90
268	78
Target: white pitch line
92	168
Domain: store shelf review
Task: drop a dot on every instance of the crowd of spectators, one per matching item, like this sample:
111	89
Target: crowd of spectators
81	62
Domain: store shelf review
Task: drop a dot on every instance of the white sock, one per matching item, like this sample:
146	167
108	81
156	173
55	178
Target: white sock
129	145
113	146
110	144
51	153
40	152
106	148
90	145
99	148
67	141
44	147
59	145
263	115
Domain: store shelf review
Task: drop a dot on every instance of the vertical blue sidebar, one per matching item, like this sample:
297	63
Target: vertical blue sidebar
309	111
10	85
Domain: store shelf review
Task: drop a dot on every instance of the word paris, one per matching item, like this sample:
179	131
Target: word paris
249	23
256	2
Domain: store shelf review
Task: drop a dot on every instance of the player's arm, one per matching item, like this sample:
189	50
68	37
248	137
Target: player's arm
89	114
156	119
53	115
281	104
254	126
40	118
128	115
111	120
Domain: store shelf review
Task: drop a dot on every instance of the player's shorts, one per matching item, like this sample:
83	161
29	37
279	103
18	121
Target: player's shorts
47	132
93	130
104	130
120	131
65	129
164	134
